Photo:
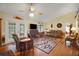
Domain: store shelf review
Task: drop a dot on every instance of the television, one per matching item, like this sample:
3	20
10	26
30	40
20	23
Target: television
33	26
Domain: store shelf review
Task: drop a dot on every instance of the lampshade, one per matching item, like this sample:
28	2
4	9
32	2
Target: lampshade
73	28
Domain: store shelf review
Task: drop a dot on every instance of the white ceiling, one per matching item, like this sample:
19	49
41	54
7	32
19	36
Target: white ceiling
50	11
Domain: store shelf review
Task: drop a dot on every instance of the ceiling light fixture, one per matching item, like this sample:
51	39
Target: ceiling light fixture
32	9
31	14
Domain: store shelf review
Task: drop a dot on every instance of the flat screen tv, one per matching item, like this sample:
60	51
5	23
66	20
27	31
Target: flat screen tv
33	26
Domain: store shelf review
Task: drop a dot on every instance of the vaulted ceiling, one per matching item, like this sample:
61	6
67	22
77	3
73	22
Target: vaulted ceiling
49	11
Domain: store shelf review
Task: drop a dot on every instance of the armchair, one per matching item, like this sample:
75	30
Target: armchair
71	40
33	33
23	44
17	41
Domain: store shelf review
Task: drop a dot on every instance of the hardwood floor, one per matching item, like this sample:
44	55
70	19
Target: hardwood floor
59	50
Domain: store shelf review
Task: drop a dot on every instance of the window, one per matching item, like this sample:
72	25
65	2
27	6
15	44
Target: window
22	29
12	29
40	26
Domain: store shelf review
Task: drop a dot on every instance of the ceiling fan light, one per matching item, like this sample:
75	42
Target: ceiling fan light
32	8
31	14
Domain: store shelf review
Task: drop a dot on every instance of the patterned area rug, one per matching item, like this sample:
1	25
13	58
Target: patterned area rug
45	44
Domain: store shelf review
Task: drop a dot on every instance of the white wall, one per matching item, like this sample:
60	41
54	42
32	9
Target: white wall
64	20
68	18
8	18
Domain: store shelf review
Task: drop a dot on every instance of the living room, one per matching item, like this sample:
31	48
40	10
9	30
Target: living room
44	25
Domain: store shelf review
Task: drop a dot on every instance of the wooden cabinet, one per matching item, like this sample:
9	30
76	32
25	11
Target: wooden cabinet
0	30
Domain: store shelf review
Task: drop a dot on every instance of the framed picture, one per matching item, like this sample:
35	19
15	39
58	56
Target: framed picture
78	23
51	25
59	25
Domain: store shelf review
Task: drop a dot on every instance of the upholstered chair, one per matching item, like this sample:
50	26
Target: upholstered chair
34	33
71	42
17	41
23	44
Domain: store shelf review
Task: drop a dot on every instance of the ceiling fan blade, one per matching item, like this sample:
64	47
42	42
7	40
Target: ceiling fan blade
40	13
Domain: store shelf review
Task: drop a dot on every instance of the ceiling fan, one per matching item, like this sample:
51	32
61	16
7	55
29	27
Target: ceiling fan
32	10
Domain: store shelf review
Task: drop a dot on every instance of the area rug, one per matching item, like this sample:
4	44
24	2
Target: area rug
45	44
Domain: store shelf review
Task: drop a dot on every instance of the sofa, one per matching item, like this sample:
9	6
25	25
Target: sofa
55	33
